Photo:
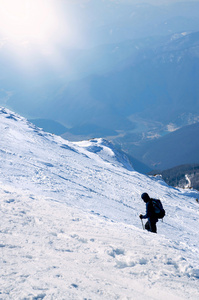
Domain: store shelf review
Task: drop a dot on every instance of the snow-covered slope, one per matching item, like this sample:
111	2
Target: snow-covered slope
69	225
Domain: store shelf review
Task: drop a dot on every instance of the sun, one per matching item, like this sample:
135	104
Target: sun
32	20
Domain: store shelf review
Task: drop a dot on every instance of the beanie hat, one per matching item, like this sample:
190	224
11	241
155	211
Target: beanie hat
145	197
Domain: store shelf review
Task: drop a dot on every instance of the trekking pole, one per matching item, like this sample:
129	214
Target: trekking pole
142	224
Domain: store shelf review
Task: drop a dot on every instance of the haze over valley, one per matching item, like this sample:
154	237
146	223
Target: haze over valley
126	71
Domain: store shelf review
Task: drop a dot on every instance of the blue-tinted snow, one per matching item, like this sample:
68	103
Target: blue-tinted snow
69	225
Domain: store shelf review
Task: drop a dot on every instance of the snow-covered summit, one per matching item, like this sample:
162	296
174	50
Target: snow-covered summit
69	224
106	151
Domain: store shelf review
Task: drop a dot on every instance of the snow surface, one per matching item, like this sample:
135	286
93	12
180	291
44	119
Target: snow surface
69	225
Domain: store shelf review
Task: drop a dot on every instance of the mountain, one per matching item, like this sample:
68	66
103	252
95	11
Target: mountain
161	79
160	88
107	22
184	176
174	149
70	227
90	130
134	69
49	126
151	88
81	133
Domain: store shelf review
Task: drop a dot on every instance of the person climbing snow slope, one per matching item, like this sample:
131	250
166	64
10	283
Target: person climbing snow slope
154	211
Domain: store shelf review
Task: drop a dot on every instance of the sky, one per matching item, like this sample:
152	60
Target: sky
34	21
45	45
32	27
48	21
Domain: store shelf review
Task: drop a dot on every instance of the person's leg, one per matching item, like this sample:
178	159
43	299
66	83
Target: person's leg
153	227
147	226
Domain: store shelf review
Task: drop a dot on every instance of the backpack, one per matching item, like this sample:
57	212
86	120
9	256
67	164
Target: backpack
158	208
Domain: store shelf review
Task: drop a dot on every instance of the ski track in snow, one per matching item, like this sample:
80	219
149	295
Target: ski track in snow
69	226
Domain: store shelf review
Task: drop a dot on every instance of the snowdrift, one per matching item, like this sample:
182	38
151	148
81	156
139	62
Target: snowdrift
69	225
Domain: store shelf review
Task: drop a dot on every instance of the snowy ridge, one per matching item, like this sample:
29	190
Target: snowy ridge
70	228
106	151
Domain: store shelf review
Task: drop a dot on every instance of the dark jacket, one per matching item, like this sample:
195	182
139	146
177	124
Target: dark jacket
150	215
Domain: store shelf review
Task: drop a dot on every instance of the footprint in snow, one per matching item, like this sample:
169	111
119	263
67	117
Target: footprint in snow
78	238
39	297
115	252
128	263
74	285
10	201
48	164
123	260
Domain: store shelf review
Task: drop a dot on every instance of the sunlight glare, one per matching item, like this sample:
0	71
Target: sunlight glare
31	20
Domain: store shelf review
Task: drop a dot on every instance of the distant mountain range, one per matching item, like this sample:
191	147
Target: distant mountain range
135	88
156	85
174	149
49	126
132	79
184	176
58	129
